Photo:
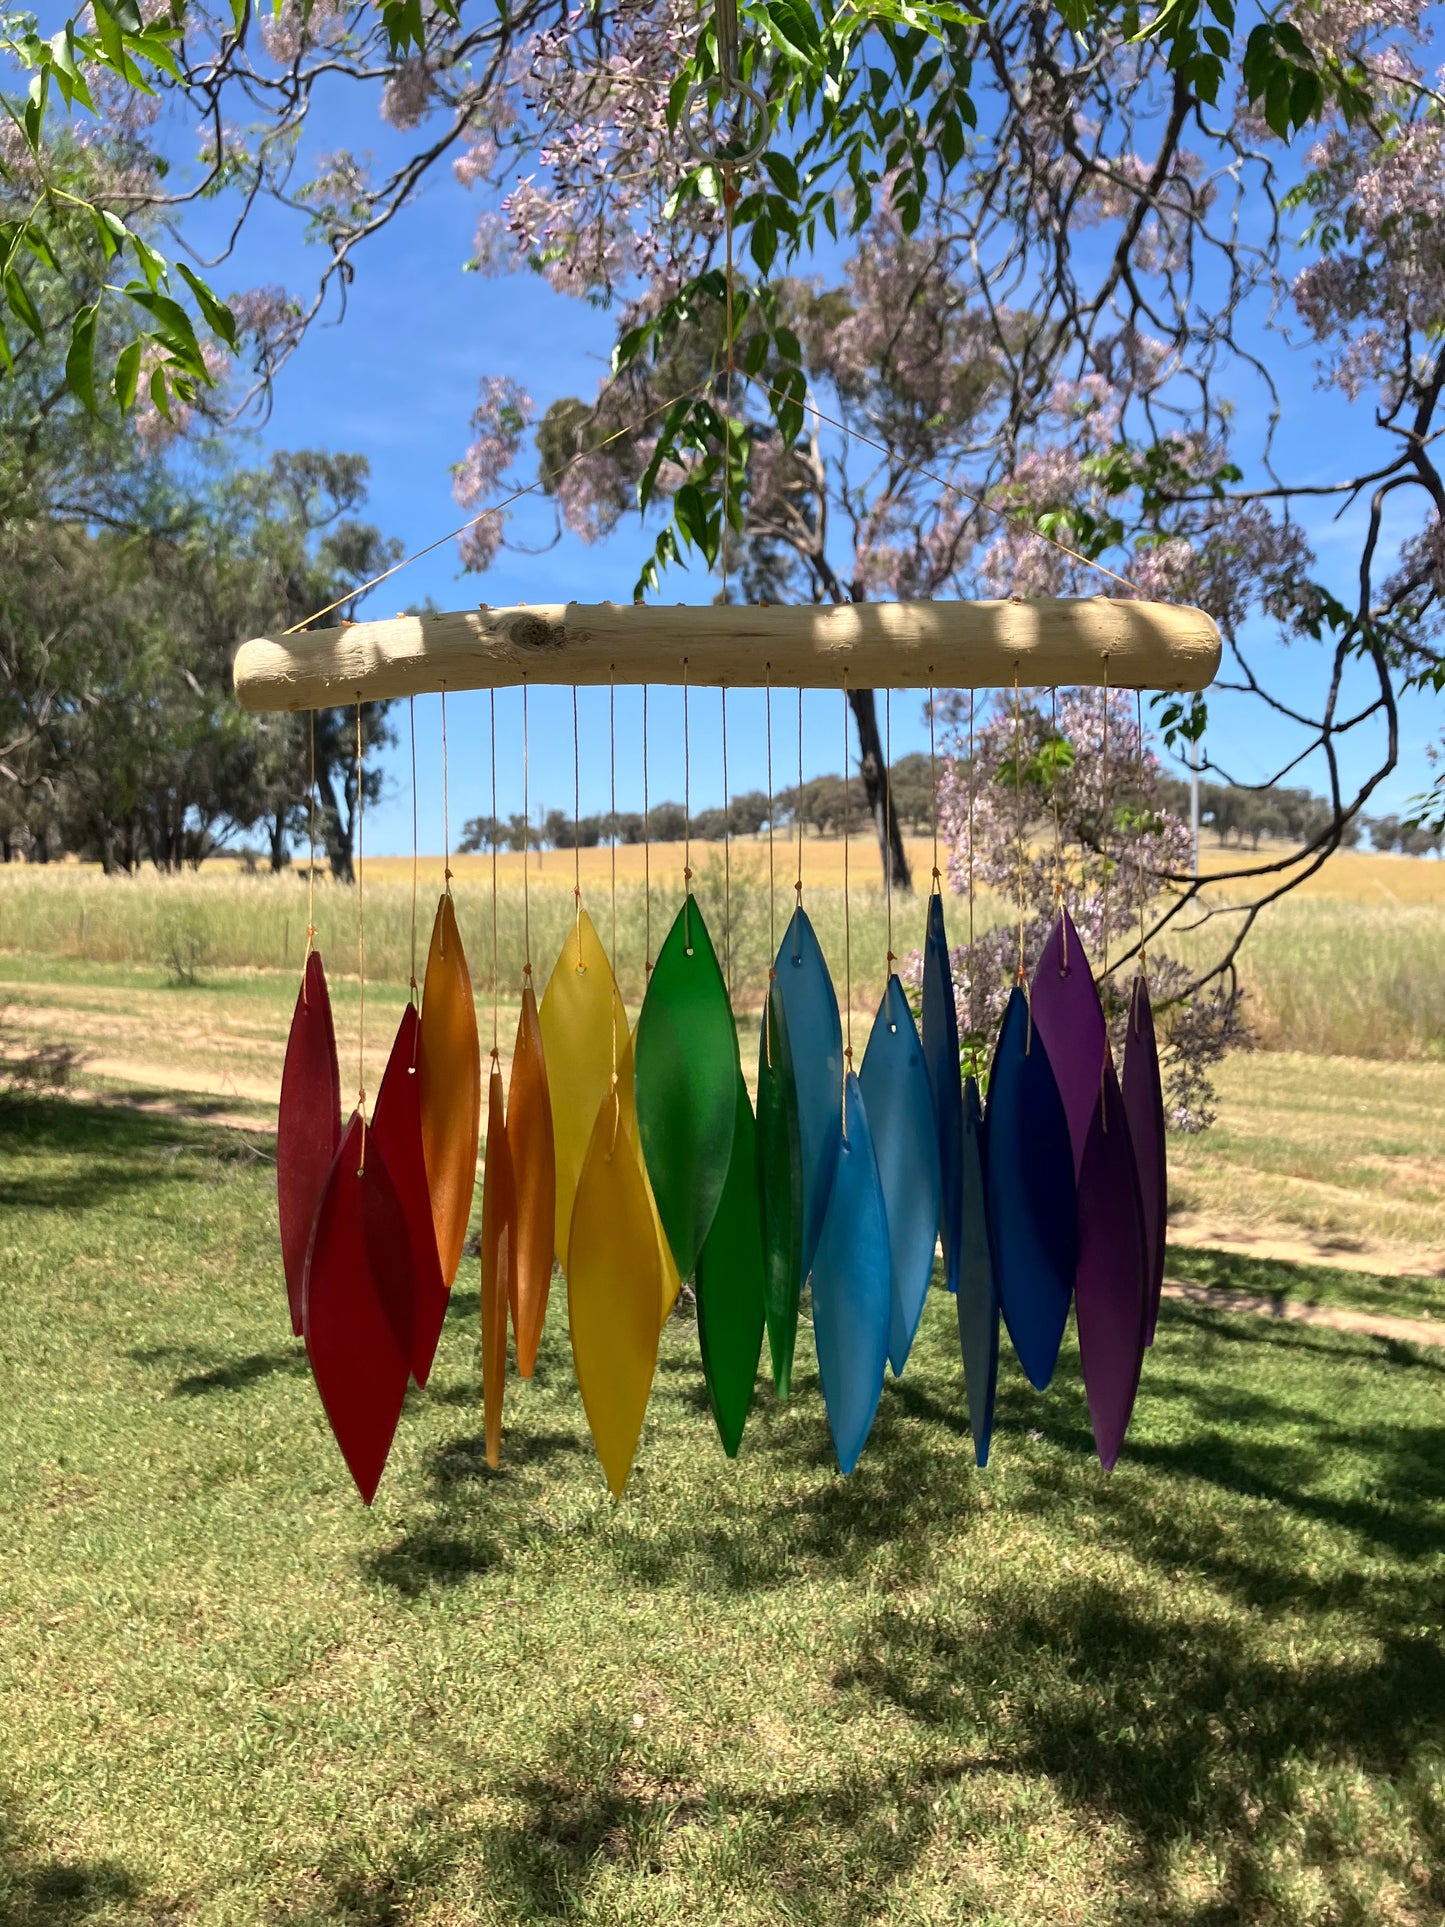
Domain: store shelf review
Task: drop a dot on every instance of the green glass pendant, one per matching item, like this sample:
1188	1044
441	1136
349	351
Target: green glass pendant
780	1187
686	1074
730	1286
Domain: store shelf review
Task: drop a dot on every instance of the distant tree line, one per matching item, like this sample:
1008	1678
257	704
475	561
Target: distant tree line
1239	815
1403	837
822	806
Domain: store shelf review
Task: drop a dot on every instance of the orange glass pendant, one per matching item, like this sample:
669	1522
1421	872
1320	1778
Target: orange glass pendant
499	1244
449	1065
357	1305
584	1033
308	1125
534	1175
613	1288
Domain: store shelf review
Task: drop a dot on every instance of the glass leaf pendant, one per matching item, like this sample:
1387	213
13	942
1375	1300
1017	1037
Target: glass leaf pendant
1069	1018
899	1105
1111	1292
730	1286
627	1097
815	1033
357	1306
499	1246
534	1173
977	1294
449	1066
686	1072
1031	1199
941	1055
852	1302
1144	1108
584	1033
308	1125
613	1289
780	1188
396	1134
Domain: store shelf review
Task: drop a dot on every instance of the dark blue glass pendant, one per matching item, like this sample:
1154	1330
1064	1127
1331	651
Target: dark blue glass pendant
810	1007
940	1054
1029	1186
977	1294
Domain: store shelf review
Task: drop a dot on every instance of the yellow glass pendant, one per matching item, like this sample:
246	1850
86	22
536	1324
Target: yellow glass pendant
614	1286
671	1282
584	1033
449	1069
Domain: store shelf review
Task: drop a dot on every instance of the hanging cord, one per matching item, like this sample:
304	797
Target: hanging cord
727	857
526	827
1108	825
1139	840
686	818
411	718
1054	800
544	482
646	857
1019	822
446	803
612	839
493	696
971	970
798	812
1010	520
772	904
311	864
933	785
847	926
887	822
576	828
360	940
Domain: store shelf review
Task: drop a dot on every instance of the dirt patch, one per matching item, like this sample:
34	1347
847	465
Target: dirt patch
1323	1248
1411	1331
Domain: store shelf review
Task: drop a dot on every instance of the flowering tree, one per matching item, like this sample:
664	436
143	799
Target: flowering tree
1047	805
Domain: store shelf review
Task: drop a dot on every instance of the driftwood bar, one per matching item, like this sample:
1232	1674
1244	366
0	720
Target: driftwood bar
900	645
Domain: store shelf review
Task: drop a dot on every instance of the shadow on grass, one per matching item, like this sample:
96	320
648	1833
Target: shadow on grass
1283	1280
38	1889
226	1375
109	1152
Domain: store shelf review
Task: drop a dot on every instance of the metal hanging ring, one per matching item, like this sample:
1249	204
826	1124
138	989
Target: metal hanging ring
716	157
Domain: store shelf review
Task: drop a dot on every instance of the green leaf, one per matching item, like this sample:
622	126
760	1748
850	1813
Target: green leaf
127	374
80	360
219	318
20	304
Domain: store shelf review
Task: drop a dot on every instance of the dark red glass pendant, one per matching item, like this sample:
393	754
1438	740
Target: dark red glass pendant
357	1305
396	1133
308	1125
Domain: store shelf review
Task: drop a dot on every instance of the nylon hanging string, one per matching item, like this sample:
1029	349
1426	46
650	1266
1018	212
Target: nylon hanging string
493	699
971	967
933	783
526	855
646	856
612	834
576	828
887	821
1139	725
411	719
727	857
772	900
311	863
360	940
847	925
686	818
798	813
1019	820
1054	800
1108	826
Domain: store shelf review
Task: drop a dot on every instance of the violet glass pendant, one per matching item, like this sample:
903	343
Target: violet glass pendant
1111	1283
815	1033
1144	1108
852	1303
940	1054
1069	1018
1029	1187
901	1122
977	1294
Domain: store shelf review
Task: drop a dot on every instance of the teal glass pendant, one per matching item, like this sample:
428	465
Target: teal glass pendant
810	1005
977	1294
780	1189
686	1072
852	1302
1032	1205
940	1054
899	1104
730	1286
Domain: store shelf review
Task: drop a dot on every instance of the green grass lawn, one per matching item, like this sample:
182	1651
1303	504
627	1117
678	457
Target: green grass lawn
1207	1690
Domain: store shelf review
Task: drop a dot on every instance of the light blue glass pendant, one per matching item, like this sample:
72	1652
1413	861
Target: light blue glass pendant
899	1104
940	1054
810	1007
1029	1185
977	1294
852	1303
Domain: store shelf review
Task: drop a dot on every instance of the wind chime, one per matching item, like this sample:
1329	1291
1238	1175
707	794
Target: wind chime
635	1157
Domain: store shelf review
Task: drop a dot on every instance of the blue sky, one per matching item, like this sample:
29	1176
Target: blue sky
396	381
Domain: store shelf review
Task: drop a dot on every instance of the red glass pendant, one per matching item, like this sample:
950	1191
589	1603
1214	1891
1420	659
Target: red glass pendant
308	1125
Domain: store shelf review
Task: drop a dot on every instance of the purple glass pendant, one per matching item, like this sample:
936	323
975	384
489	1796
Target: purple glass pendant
1144	1108
1068	1017
1111	1284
